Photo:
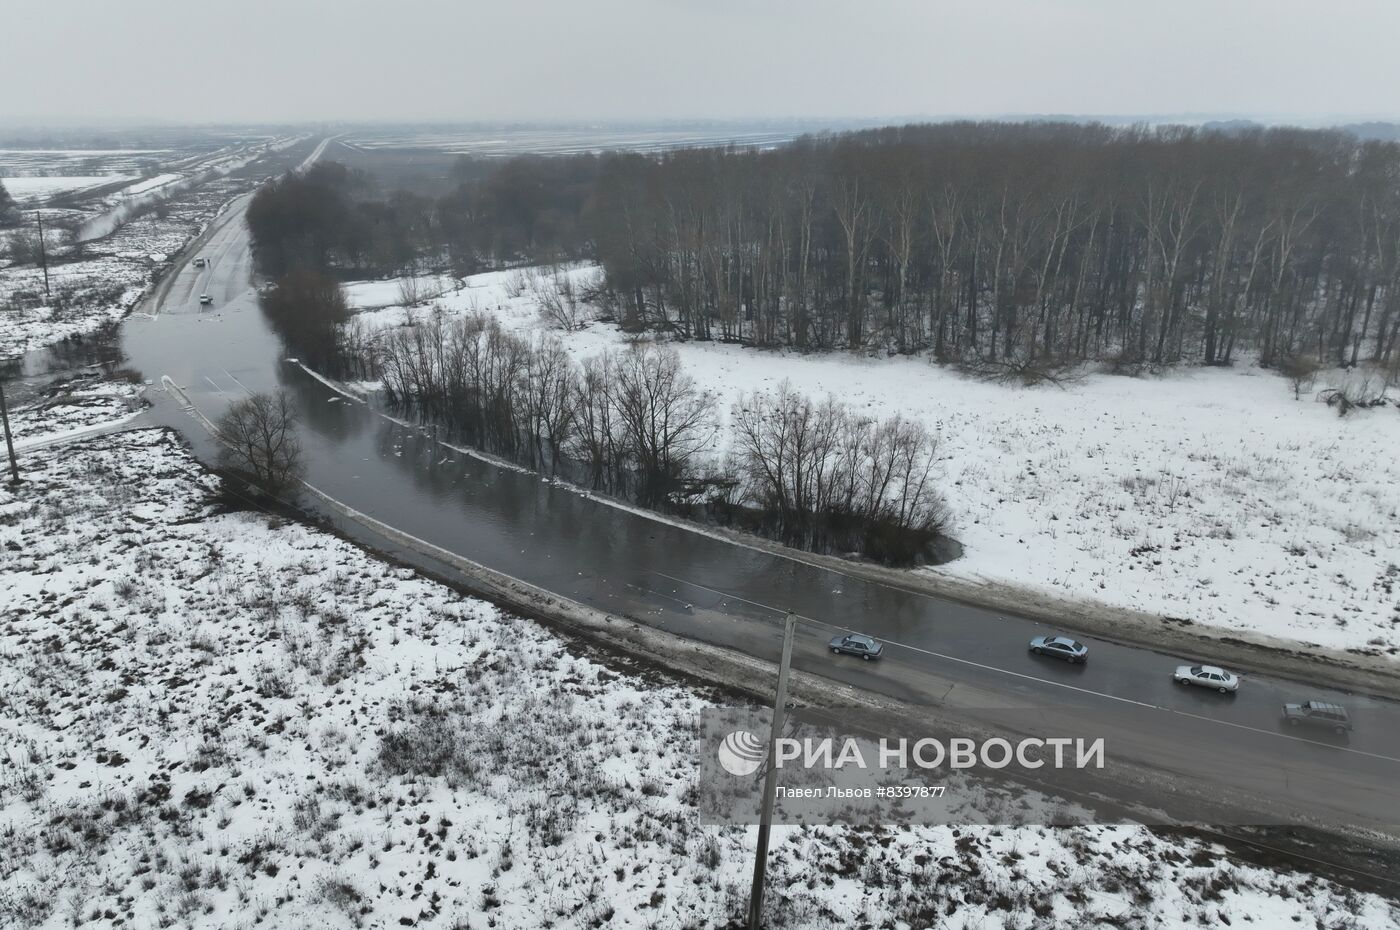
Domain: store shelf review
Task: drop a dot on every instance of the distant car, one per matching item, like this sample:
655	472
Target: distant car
205	299
200	262
1318	714
858	644
1207	676
1061	647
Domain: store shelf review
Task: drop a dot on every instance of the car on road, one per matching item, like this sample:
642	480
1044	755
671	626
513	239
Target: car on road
858	644
205	299
1061	647
1320	714
1207	676
200	262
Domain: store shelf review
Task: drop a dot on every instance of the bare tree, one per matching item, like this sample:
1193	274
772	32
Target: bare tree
1301	373
664	418
831	479
596	430
260	442
559	301
410	291
549	390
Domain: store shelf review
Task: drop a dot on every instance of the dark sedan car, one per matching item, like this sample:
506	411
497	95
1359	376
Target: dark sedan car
858	644
1061	647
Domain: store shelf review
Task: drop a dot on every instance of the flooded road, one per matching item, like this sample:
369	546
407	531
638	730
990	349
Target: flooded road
562	539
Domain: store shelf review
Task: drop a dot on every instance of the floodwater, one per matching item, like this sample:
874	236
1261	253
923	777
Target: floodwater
633	566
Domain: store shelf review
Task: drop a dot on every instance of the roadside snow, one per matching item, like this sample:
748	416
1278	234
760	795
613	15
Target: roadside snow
75	409
150	184
1204	494
222	719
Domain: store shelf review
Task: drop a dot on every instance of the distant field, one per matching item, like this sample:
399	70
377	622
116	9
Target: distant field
571	140
29	190
421	160
80	162
424	171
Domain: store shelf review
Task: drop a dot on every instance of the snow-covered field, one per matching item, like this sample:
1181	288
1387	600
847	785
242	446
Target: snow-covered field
371	295
225	720
36	162
28	190
73	409
1209	495
93	292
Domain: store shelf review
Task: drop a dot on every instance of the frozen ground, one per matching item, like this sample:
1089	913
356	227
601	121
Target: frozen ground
1209	495
37	162
73	409
226	720
371	295
89	294
27	190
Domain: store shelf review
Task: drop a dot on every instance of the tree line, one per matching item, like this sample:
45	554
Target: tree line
1015	246
335	219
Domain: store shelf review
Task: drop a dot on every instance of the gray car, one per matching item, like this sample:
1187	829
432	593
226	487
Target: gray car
858	644
1061	647
1207	676
1319	714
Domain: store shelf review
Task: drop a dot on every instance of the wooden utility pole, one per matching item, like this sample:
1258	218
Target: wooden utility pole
770	780
9	440
43	256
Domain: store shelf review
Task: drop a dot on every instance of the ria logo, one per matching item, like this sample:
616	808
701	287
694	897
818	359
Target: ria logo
741	753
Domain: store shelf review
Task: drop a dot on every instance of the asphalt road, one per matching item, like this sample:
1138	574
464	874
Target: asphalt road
943	654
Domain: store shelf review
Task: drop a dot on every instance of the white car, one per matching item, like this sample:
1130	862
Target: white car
205	299
1207	676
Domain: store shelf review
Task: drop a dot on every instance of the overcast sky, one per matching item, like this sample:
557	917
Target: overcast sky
291	60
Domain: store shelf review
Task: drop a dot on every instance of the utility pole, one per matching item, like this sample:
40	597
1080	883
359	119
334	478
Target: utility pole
9	440
770	780
43	256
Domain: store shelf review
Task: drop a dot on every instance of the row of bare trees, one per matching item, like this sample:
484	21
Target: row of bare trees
634	420
830	479
633	423
1018	244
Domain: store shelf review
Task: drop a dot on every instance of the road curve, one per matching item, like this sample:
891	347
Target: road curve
941	654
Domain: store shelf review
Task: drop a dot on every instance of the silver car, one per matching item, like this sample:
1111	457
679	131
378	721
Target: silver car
1061	647
1207	676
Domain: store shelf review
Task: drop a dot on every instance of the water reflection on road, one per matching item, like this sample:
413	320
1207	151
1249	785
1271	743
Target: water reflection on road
566	541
